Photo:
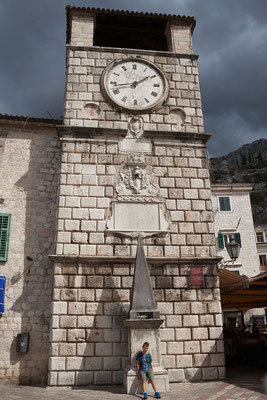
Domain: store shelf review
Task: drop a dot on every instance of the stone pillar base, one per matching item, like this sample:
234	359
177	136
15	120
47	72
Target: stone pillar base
132	385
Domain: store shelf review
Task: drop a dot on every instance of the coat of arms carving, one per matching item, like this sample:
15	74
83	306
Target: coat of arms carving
136	179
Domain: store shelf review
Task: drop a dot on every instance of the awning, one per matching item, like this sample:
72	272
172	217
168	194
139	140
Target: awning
243	293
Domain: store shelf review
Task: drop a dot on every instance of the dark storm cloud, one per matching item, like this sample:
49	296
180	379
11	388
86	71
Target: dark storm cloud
230	38
233	65
31	60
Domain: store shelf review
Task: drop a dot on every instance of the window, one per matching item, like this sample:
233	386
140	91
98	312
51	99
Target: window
260	238
263	260
224	203
4	235
127	32
233	319
225	238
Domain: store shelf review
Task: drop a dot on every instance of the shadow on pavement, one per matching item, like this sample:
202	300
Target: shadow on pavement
248	378
118	389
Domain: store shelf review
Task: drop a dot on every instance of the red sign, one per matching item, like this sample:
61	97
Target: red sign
196	275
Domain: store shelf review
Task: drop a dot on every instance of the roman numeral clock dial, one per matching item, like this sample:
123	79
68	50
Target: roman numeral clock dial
135	84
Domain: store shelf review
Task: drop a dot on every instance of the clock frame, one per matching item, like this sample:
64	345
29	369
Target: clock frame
135	85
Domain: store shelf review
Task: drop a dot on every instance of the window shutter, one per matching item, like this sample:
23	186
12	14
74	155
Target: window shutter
238	238
4	235
220	240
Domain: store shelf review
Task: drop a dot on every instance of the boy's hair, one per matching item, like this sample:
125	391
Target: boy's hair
146	344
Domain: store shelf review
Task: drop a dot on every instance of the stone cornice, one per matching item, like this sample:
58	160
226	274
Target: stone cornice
231	187
152	260
69	132
27	123
87	132
158	53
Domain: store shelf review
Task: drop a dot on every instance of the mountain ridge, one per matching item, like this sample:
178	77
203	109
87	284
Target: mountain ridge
247	164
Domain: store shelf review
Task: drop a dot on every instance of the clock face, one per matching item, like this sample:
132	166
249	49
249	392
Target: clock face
135	85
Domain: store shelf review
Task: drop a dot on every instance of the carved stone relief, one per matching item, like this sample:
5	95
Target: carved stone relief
136	179
134	158
91	110
134	141
138	207
136	127
177	117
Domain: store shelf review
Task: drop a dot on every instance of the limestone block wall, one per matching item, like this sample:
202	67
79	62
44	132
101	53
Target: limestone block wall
82	23
93	267
28	191
86	107
179	38
82	29
90	170
91	301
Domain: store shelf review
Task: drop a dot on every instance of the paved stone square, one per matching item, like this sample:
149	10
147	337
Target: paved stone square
244	385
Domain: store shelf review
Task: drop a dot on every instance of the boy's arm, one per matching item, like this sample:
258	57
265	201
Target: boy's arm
151	366
138	369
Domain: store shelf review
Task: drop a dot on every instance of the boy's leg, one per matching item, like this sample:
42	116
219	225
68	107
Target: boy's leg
151	379
157	394
143	379
144	386
153	385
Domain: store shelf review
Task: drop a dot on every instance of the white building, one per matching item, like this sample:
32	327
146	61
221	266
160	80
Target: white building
261	243
233	219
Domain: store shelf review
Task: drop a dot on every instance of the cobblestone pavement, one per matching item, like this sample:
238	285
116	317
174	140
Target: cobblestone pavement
249	386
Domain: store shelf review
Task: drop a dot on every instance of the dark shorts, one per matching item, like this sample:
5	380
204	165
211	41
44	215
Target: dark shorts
146	374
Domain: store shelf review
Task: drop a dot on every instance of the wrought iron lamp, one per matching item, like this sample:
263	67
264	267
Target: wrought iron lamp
233	249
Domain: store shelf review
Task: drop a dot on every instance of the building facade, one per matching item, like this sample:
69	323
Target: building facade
29	168
233	219
133	160
261	243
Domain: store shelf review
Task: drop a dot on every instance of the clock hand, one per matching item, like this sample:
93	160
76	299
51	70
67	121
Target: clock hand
142	80
128	84
135	83
123	84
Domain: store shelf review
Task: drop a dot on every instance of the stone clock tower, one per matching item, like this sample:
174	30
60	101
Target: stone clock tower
134	163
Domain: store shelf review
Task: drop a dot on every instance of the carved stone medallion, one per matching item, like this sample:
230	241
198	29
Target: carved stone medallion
136	126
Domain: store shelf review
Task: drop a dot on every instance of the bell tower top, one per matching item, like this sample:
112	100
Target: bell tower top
88	27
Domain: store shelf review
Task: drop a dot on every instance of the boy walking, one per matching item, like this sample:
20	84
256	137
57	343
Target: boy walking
145	369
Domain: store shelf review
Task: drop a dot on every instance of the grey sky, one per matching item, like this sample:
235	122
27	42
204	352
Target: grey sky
230	38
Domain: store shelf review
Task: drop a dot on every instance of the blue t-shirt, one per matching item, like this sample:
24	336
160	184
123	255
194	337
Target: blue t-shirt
145	360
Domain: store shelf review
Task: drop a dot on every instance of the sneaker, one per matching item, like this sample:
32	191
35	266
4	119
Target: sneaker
145	395
157	395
